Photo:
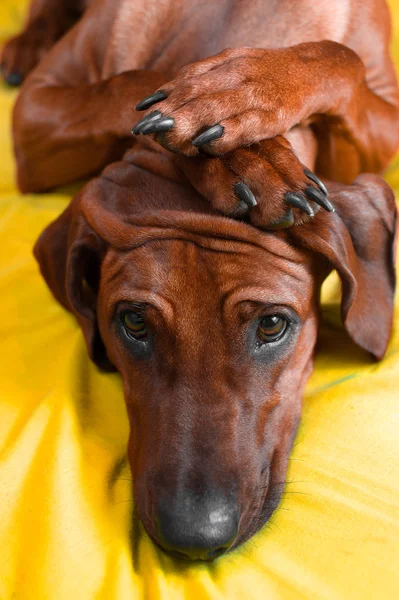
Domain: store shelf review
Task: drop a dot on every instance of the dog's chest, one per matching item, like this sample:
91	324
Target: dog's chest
164	35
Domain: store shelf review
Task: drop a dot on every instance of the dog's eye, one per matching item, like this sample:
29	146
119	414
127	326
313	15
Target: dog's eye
134	324
271	328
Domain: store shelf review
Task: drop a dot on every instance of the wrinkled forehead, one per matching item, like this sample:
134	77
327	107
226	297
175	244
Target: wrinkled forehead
199	269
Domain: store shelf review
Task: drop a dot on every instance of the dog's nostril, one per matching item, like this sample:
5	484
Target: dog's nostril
197	528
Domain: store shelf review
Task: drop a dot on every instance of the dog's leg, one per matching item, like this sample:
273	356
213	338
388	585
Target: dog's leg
63	134
68	123
47	21
244	95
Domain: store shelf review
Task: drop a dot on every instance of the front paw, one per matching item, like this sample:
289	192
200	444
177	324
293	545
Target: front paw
265	183
230	100
21	54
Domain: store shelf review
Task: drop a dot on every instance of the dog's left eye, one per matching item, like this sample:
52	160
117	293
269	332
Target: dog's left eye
134	324
271	328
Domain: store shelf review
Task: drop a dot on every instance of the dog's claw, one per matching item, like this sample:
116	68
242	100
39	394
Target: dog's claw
150	100
317	196
298	201
240	210
13	79
154	116
163	124
244	194
283	222
213	133
316	180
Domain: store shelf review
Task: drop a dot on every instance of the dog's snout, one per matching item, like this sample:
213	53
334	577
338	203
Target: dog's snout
198	528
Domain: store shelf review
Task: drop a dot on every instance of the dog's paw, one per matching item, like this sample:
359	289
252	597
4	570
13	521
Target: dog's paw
21	54
265	183
233	99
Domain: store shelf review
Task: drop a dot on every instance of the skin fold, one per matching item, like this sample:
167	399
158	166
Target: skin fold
209	219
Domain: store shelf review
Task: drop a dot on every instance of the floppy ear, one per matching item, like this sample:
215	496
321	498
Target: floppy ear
358	240
69	254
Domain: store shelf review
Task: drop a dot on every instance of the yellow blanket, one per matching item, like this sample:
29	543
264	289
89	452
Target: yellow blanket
65	490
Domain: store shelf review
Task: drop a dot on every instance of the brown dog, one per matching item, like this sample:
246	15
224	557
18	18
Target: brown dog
212	323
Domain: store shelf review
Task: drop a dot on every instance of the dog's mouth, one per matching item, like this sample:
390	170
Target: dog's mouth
261	509
267	506
186	558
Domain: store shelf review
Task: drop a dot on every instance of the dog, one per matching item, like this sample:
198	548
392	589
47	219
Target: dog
193	259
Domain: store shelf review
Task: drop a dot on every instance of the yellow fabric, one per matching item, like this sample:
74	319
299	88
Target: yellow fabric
65	496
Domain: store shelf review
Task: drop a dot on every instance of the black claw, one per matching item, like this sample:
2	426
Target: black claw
154	116
213	133
316	180
240	210
244	194
164	124
150	100
13	79
317	196
298	201
283	222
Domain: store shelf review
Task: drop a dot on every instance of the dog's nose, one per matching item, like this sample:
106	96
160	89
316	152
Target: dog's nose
197	528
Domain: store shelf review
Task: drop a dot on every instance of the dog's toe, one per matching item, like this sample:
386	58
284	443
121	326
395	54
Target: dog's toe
13	79
321	199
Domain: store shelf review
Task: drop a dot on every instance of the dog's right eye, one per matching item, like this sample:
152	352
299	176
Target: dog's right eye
271	328
134	324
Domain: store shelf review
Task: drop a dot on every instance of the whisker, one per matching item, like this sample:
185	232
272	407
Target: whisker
296	481
281	483
275	525
303	493
298	442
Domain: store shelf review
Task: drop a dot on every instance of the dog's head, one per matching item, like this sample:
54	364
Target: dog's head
212	325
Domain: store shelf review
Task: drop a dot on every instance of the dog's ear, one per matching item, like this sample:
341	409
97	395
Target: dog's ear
69	253
358	240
